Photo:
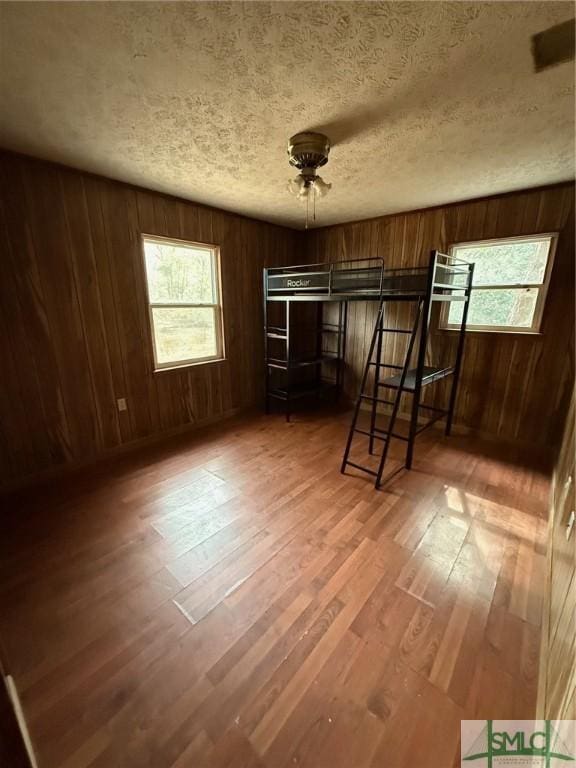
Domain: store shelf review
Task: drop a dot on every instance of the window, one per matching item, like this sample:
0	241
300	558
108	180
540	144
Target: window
184	300
510	282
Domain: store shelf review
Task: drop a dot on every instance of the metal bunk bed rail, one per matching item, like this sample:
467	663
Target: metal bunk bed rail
445	279
352	279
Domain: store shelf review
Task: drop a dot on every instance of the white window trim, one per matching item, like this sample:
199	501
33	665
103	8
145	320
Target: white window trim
217	306
542	288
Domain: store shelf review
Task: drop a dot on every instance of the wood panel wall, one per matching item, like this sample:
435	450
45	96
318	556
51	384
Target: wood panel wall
514	387
74	331
557	689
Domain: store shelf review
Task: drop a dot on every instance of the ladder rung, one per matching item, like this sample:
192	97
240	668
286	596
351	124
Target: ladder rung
385	432
429	423
451	286
386	365
453	270
370	434
397	330
431	408
378	437
376	399
363	469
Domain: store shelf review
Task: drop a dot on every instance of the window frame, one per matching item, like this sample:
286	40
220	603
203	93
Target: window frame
216	307
542	287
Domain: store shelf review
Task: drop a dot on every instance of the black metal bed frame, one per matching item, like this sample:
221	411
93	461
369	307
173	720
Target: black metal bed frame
444	279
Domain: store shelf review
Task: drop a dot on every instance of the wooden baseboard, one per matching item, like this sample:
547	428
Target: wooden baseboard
70	468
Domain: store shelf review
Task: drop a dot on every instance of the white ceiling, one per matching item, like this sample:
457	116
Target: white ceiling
425	102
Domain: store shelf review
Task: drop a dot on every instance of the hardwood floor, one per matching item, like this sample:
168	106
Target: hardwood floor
230	599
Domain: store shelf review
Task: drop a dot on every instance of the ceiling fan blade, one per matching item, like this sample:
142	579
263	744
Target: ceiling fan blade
351	125
553	46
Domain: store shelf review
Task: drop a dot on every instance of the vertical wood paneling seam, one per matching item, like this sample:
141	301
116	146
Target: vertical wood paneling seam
99	298
25	411
113	289
95	402
49	329
148	330
138	282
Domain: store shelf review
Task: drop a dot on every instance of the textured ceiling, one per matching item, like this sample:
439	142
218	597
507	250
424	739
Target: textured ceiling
425	102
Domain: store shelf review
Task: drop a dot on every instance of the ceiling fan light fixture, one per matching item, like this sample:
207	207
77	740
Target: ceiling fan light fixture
321	188
297	186
307	152
305	184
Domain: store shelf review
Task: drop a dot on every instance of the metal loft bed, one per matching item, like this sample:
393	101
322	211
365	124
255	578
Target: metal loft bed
445	279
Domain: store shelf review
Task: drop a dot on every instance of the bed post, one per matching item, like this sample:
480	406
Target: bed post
380	326
421	360
459	352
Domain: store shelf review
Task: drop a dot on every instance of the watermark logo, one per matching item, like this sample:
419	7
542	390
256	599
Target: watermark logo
518	743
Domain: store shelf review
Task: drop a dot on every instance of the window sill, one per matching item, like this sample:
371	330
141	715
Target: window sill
492	332
179	366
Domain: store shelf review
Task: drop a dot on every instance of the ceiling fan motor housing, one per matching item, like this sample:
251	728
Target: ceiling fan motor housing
308	151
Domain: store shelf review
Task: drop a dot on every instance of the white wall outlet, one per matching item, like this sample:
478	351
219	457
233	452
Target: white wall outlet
122	404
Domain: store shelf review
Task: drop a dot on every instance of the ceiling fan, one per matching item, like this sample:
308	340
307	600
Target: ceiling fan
307	152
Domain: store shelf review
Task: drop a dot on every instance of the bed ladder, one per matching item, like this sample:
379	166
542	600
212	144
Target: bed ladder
373	360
